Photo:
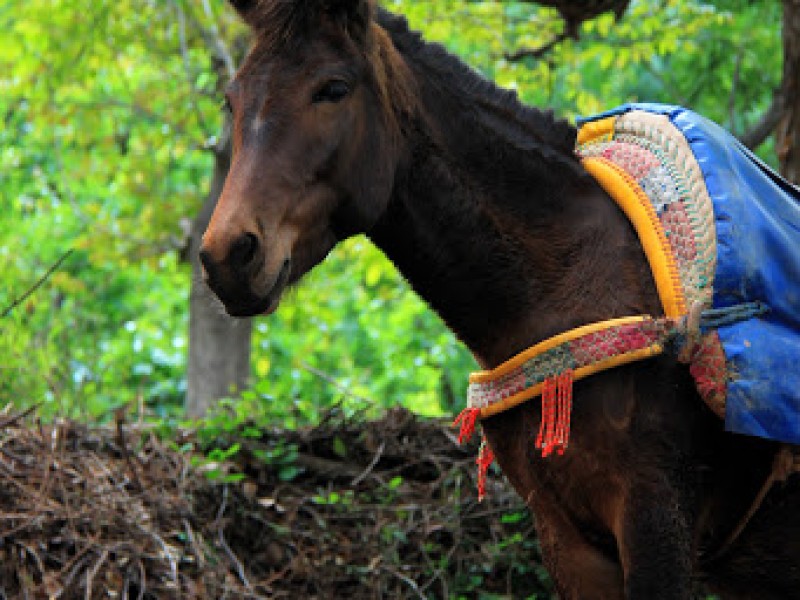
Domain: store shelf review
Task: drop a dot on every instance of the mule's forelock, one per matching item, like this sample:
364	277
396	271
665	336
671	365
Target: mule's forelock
283	20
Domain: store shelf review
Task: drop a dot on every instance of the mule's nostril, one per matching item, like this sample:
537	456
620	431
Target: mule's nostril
244	250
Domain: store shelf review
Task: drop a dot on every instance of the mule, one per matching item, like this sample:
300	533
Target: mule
345	121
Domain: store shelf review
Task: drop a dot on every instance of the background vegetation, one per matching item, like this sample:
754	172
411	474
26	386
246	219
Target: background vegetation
109	115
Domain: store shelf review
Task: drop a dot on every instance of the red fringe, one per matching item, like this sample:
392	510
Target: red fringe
544	438
484	461
554	429
565	382
468	418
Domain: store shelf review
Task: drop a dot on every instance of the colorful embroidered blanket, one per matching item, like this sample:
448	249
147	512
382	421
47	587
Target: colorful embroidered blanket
722	234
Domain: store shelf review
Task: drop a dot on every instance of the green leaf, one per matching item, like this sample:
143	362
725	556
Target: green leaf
339	448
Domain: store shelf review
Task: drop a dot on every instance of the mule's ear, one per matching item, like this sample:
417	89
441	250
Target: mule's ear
354	15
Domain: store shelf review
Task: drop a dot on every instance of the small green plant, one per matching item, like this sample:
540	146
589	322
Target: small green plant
283	456
214	464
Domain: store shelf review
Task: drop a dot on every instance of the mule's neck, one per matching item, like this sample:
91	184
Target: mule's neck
494	222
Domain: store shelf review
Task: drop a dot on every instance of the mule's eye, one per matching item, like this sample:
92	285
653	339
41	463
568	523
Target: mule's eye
332	91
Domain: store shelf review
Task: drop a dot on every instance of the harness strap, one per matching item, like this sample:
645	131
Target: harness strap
581	352
549	368
785	464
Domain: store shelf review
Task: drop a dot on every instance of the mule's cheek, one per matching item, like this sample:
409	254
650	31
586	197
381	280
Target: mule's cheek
310	219
329	133
277	254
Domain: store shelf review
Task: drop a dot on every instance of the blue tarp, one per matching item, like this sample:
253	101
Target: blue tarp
757	217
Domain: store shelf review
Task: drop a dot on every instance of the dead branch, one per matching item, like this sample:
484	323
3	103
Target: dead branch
52	269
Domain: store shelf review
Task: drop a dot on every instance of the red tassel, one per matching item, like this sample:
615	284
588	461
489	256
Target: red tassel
484	461
544	440
467	418
556	410
565	381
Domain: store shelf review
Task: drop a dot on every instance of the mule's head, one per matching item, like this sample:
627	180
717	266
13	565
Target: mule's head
314	144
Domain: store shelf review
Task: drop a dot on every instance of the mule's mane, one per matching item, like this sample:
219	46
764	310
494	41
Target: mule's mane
500	110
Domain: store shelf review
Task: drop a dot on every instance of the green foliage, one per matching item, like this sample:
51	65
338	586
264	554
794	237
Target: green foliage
721	58
108	110
101	150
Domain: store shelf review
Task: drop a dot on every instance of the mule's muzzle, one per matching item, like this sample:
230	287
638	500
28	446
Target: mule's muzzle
237	276
228	268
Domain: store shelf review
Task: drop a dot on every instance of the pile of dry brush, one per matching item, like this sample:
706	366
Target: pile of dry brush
380	509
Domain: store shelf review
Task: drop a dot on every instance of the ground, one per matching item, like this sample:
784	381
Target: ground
349	509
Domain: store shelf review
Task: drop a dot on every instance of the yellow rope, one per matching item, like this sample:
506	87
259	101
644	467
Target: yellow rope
548	344
630	197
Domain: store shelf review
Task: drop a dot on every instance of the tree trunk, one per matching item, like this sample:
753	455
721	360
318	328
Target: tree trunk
219	346
788	134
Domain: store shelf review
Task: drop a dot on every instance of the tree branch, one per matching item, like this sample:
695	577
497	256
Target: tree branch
754	137
574	13
215	41
143	113
38	284
737	71
536	53
187	67
212	34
